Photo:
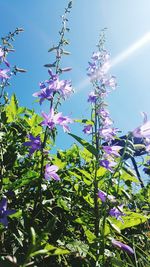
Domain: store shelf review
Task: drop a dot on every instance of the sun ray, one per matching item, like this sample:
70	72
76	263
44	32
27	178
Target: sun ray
121	57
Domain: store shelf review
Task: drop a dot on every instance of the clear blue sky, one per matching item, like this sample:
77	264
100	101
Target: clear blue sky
127	21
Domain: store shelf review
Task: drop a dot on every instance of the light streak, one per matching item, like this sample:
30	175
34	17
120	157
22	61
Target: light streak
121	57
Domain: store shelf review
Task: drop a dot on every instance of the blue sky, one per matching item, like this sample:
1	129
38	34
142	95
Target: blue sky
126	21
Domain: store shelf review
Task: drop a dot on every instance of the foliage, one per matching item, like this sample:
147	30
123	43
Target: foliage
74	221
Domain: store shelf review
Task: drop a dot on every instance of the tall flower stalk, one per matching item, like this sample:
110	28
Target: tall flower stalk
102	131
54	90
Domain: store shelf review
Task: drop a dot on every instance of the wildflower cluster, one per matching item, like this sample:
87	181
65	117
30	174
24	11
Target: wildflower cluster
53	90
102	82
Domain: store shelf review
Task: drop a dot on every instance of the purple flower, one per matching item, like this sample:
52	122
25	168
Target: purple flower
34	143
4	212
107	122
64	121
117	212
52	119
87	129
65	88
92	97
112	150
1	53
43	94
53	76
104	113
111	82
3	74
53	85
108	134
50	172
108	164
2	57
122	246
103	196
92	68
142	131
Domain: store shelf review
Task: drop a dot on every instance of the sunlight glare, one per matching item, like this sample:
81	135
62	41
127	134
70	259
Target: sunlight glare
121	57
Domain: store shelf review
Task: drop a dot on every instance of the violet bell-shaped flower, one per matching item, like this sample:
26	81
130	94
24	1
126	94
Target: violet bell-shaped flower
50	172
108	164
3	74
112	150
122	246
143	131
92	97
87	129
2	54
34	143
103	196
117	212
108	134
54	85
45	93
64	121
4	212
51	120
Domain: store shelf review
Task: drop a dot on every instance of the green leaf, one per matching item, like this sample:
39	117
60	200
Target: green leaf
90	236
130	220
101	172
33	236
39	252
85	144
12	109
128	177
78	246
61	165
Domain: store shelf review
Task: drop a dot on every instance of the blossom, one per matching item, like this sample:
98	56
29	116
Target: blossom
107	122
122	246
92	69
142	131
108	164
103	196
117	212
65	88
43	94
1	53
92	97
64	121
53	85
104	113
4	212
2	57
52	119
50	172
108	134
87	129
112	150
3	74
110	82
34	143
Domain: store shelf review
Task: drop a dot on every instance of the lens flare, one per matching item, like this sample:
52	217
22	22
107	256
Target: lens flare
121	57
